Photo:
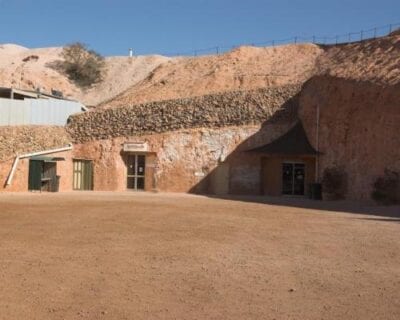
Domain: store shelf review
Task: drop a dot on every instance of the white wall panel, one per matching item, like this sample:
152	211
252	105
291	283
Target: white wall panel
37	111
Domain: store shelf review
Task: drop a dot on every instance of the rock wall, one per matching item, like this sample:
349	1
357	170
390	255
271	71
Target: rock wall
211	111
25	139
359	128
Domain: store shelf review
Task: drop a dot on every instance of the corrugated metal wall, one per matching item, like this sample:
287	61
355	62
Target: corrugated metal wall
37	111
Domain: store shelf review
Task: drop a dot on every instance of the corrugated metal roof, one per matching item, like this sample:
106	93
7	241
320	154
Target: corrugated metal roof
30	94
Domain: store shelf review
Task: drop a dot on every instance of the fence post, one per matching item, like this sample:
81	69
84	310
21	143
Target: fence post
217	49
374	33
273	43
336	39
295	40
361	34
313	39
349	37
390	28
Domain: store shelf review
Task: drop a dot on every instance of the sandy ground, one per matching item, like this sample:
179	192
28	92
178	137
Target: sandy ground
159	256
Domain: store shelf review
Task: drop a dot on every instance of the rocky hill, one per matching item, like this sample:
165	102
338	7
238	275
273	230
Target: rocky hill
376	60
145	79
152	78
25	68
244	68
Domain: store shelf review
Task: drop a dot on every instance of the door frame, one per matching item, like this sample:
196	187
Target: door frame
293	163
135	176
42	175
35	175
83	174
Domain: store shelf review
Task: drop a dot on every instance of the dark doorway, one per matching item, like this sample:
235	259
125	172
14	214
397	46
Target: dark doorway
136	171
43	176
293	177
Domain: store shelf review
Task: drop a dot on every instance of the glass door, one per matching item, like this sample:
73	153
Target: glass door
287	178
298	179
293	177
136	171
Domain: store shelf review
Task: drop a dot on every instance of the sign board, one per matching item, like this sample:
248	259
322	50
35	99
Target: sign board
136	147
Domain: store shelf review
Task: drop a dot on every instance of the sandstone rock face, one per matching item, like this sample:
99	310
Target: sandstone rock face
212	111
359	128
188	160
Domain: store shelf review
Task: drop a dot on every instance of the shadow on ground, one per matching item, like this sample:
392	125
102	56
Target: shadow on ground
347	206
391	219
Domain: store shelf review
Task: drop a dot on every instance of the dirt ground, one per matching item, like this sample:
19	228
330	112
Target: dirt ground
172	256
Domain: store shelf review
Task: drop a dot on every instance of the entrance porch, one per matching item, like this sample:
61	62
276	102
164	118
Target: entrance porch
288	164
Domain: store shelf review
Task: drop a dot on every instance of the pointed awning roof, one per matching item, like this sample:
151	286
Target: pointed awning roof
293	142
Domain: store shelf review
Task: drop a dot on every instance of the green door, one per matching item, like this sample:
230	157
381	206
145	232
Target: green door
35	175
83	175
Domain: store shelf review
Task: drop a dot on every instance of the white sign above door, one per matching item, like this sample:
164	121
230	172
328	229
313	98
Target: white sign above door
136	147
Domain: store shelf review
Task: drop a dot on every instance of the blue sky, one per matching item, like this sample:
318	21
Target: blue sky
168	26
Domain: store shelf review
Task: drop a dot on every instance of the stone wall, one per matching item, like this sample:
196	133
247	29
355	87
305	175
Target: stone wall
24	139
210	111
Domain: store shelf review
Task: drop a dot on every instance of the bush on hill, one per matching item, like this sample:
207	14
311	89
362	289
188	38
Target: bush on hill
83	66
